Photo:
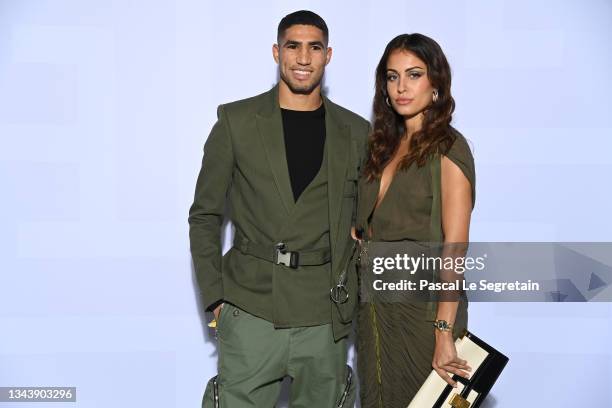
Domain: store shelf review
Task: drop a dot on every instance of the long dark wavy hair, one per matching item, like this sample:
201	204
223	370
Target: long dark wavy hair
436	135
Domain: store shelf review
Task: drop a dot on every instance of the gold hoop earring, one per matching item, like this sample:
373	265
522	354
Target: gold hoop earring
387	101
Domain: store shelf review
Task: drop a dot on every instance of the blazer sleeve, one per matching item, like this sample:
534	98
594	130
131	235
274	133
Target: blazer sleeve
206	212
363	157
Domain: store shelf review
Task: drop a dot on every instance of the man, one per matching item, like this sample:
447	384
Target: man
287	161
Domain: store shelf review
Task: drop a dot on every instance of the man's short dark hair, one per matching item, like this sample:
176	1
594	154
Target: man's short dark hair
302	17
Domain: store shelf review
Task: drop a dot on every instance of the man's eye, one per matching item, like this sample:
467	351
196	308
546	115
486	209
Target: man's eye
291	46
316	47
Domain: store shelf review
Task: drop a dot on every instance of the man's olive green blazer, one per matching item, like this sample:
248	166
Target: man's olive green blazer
245	168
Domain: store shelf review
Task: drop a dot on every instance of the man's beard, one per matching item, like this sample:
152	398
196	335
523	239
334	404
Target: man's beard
301	89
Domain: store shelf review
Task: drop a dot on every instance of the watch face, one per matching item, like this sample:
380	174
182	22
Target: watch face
442	324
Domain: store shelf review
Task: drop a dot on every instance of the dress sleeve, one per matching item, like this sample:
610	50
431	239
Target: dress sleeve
461	154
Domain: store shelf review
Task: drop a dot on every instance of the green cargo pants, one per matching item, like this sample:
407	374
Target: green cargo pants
254	357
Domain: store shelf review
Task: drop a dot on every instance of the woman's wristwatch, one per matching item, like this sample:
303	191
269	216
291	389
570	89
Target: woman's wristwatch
443	325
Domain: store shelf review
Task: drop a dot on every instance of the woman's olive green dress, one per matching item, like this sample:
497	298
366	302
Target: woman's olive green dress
396	340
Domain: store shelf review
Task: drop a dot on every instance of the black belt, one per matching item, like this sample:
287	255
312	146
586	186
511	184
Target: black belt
278	253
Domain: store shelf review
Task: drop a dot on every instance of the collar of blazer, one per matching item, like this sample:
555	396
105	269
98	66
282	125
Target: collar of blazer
338	140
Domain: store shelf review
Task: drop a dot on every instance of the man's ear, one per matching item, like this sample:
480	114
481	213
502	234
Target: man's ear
329	55
275	51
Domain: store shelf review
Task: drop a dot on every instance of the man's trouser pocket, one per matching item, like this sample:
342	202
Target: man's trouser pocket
211	395
348	396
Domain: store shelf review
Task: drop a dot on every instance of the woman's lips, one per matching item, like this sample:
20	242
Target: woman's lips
403	101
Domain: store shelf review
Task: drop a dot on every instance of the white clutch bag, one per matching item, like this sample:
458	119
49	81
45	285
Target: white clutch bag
487	364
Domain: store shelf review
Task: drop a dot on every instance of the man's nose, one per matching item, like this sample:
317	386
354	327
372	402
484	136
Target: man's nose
303	57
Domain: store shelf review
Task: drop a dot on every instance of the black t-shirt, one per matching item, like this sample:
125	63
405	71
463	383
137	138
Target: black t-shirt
304	144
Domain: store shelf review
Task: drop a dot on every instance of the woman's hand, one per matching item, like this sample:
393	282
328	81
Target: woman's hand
445	358
354	234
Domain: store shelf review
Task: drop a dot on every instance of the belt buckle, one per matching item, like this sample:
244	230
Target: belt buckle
287	258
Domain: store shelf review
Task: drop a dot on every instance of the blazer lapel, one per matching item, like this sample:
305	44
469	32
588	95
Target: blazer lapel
367	200
339	148
270	127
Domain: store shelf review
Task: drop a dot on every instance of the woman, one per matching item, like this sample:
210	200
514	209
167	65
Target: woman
415	155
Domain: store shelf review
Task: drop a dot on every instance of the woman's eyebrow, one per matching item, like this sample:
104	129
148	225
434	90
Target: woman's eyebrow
407	69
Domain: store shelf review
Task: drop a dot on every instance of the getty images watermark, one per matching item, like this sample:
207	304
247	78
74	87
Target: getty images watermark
457	264
523	272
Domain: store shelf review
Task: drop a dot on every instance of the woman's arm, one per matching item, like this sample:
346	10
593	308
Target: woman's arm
456	211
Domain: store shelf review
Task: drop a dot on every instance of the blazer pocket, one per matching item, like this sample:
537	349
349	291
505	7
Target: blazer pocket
350	188
350	184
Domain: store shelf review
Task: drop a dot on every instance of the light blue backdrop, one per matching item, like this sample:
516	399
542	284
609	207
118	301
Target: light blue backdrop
104	109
